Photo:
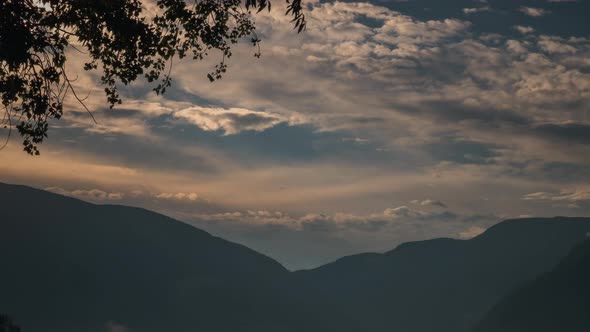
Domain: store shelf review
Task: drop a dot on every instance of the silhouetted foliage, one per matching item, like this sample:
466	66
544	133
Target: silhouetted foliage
122	39
7	325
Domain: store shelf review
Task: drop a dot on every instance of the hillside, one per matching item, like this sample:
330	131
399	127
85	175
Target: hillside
73	266
558	300
442	284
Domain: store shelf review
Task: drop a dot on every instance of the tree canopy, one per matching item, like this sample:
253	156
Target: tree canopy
123	41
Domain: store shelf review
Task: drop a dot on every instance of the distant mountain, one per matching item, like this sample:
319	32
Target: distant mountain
444	284
72	266
68	265
558	300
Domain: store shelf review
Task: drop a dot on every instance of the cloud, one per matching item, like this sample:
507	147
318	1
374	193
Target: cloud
356	140
535	12
471	232
178	196
345	123
476	10
569	195
402	212
524	29
231	121
556	45
313	239
570	133
339	221
431	202
92	194
516	47
171	203
420	78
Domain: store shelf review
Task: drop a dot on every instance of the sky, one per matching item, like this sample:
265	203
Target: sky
384	122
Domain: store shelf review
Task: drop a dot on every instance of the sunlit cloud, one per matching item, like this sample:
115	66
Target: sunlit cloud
535	12
90	194
524	29
477	10
430	202
230	121
178	196
571	195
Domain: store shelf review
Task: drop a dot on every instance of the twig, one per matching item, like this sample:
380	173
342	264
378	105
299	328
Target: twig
76	95
9	128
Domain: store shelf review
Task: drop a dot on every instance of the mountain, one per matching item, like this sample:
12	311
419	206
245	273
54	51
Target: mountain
73	266
558	300
442	284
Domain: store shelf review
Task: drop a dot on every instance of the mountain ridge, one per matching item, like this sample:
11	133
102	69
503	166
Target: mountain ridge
447	276
128	262
115	263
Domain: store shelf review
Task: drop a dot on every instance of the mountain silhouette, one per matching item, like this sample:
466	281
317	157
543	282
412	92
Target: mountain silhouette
441	284
72	266
558	300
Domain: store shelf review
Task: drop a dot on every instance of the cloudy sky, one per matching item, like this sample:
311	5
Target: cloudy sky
385	122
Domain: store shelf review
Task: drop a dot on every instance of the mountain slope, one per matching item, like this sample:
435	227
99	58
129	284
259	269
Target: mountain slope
443	284
558	300
74	266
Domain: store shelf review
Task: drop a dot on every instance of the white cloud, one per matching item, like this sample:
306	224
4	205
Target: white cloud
178	196
569	195
402	212
555	45
92	194
430	202
524	29
535	12
516	46
231	121
336	221
476	10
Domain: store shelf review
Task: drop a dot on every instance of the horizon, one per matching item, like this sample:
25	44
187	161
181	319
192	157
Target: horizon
320	264
382	123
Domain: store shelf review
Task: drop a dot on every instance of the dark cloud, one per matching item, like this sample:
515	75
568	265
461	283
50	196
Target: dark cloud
462	151
455	111
441	216
576	133
566	17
